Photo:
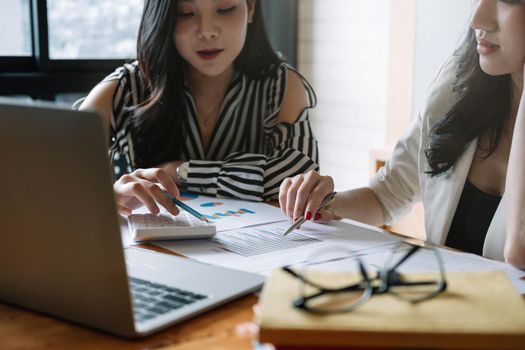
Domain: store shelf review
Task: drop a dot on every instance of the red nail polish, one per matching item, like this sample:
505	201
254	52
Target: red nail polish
308	215
317	216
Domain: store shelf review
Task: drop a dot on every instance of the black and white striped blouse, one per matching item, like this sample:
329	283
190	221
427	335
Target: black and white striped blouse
249	153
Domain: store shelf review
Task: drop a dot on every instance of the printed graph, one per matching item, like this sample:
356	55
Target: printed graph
211	204
256	241
229	213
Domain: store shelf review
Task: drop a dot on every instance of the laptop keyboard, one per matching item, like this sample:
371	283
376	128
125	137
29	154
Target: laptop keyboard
153	299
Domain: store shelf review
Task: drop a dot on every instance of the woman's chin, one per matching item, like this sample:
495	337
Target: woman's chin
210	71
495	69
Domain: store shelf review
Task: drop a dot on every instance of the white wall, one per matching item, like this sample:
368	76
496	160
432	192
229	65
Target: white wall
440	27
343	51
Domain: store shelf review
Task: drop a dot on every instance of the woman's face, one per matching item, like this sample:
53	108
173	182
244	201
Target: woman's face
500	32
210	34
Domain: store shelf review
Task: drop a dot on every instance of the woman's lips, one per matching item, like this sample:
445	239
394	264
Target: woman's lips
209	54
486	48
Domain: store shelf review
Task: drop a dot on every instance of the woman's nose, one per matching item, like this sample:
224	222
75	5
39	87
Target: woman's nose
484	15
208	29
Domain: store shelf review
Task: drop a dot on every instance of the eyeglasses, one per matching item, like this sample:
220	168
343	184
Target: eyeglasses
321	295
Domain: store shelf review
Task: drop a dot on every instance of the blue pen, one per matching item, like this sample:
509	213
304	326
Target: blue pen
187	208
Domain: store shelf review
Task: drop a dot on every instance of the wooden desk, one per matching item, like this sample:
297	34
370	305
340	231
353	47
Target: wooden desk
24	330
214	330
27	330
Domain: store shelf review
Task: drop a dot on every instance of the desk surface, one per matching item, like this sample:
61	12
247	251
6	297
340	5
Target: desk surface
216	329
24	330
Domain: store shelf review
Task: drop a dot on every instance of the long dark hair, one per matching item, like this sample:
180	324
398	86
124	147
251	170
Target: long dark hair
483	106
158	123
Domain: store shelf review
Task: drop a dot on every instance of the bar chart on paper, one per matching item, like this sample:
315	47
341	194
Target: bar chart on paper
229	214
259	240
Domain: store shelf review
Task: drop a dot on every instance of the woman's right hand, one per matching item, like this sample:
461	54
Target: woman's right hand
145	187
302	195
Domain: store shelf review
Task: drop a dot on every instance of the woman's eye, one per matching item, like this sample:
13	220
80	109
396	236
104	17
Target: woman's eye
227	10
181	14
512	2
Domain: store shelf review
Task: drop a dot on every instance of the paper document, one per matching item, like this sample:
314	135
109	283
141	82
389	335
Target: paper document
263	248
228	214
424	261
260	240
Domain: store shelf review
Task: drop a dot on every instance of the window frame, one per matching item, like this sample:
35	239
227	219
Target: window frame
41	77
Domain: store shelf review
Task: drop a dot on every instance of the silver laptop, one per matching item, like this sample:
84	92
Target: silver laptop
61	250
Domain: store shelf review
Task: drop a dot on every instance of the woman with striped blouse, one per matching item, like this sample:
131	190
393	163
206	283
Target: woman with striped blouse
208	106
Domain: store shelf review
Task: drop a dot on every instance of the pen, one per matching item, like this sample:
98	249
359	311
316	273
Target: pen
327	200
187	208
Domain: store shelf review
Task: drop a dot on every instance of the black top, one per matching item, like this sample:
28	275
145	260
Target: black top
472	219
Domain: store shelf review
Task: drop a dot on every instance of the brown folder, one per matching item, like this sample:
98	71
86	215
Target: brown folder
479	310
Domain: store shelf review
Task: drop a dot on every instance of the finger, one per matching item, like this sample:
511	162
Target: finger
158	175
137	190
123	210
125	179
171	207
324	216
153	176
324	187
256	308
160	197
247	330
123	198
292	196
283	192
311	180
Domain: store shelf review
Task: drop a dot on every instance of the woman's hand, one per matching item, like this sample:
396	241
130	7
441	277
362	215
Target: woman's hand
302	195
171	169
250	330
145	187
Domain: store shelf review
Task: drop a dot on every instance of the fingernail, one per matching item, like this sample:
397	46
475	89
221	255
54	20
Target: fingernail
308	215
317	216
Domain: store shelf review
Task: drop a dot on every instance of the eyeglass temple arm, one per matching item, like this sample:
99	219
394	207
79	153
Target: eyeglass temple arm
324	290
411	252
301	277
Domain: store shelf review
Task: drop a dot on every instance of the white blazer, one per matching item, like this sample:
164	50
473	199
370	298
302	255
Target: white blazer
403	180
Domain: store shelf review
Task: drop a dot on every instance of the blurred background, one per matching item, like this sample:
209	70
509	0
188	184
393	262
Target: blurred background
370	62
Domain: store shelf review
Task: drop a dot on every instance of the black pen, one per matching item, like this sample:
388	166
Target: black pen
327	200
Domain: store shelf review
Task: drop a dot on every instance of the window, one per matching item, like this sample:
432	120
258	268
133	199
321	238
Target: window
93	29
53	48
59	49
15	28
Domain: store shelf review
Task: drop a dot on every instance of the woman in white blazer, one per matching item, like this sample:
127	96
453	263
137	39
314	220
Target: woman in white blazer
463	157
